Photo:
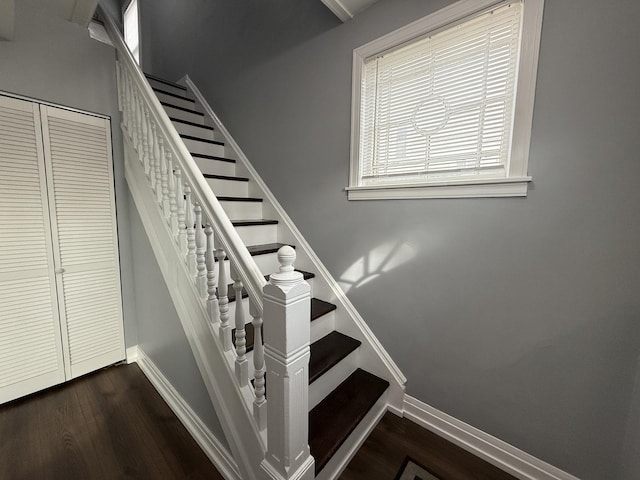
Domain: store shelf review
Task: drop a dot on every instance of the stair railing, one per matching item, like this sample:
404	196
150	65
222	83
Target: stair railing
205	237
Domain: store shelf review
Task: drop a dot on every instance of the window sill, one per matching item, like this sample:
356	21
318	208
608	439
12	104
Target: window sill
503	187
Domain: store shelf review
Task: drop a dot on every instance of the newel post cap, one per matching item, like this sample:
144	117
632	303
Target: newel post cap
286	277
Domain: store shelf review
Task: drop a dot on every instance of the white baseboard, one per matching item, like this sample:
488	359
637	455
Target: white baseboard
504	456
132	354
217	453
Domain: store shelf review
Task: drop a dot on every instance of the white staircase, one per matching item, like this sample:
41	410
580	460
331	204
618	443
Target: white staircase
218	235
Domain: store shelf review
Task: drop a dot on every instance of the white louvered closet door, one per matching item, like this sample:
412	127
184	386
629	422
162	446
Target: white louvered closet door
30	349
82	206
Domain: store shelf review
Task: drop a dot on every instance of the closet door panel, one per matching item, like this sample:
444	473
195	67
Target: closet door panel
82	203
31	356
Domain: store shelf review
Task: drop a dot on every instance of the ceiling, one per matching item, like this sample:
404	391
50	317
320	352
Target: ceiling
347	9
81	11
76	11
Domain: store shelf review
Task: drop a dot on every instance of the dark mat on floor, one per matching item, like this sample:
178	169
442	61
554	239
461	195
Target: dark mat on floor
411	470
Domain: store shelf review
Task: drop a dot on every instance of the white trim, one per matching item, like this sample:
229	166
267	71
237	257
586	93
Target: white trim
504	187
338	9
395	375
501	454
216	451
523	115
132	354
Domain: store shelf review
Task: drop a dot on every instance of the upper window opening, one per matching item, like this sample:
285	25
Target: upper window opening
443	107
131	29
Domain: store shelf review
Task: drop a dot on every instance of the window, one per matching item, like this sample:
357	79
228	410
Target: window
132	30
443	107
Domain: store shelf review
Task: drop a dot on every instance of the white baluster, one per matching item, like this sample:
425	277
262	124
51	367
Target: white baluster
210	256
148	136
191	231
173	203
127	102
161	185
223	301
158	172
145	141
138	111
201	267
132	103
260	403
154	166
242	364
119	85
182	226
287	302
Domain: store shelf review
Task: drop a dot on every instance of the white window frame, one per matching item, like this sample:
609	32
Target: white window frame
516	181
132	4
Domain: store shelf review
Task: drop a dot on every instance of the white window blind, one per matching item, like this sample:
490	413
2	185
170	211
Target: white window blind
442	106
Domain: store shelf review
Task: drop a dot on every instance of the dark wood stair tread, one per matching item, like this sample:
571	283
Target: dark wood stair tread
166	82
193	124
253	223
212	157
337	416
225	177
314	315
240	199
174	95
200	139
329	351
320	308
177	107
231	294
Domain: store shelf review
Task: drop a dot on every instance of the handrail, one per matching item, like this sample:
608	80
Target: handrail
224	230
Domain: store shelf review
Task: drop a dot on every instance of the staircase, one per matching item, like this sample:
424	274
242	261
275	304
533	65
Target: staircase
341	393
298	404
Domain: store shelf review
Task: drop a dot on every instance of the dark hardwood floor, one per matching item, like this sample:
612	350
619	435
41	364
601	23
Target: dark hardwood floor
383	454
111	424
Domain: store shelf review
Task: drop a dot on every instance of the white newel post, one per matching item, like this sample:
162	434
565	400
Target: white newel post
287	330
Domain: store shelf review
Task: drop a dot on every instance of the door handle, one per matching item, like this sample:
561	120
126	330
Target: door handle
59	270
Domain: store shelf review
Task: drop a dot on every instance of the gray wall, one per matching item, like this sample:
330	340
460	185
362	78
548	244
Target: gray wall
631	453
518	316
160	334
56	61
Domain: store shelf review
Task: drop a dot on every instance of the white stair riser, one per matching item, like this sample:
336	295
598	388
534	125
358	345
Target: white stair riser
257	234
228	188
194	146
180	102
186	129
216	167
242	210
181	114
166	88
328	382
322	326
